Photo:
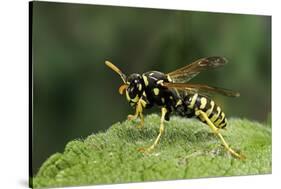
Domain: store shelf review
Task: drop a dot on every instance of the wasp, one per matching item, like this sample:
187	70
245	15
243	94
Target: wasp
173	93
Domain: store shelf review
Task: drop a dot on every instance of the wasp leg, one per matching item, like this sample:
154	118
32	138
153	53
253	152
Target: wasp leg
138	113
216	131
161	130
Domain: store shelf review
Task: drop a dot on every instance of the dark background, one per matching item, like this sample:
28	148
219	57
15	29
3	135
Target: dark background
75	94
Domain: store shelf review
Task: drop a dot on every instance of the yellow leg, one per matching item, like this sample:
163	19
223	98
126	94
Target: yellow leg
216	131
161	130
138	113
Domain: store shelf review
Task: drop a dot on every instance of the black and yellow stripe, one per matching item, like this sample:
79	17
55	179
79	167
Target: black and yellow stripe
213	111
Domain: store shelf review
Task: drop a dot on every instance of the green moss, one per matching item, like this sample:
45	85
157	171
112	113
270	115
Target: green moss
187	149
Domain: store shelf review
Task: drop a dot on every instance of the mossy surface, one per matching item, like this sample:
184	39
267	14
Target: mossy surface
187	149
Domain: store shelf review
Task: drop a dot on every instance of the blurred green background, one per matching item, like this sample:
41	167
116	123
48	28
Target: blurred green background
76	95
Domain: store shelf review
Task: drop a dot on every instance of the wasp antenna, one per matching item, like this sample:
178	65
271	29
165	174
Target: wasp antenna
117	70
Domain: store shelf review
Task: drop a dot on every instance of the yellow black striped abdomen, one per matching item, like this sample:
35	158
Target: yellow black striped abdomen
213	111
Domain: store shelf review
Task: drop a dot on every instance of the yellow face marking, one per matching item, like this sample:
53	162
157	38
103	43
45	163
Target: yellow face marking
203	103
191	105
216	115
156	91
145	80
127	96
140	87
135	99
209	111
144	94
163	100
171	97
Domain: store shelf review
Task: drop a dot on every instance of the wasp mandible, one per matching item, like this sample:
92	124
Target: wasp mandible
173	93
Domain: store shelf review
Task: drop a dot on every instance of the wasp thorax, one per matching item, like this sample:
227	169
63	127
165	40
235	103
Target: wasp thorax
135	88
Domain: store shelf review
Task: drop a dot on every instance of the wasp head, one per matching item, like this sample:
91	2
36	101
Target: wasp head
133	84
134	88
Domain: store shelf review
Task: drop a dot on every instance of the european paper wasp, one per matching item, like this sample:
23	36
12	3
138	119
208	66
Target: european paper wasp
173	93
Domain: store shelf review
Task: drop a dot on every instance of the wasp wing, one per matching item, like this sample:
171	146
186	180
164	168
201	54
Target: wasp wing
201	88
189	71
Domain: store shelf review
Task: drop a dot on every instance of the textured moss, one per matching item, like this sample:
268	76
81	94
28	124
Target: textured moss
187	149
